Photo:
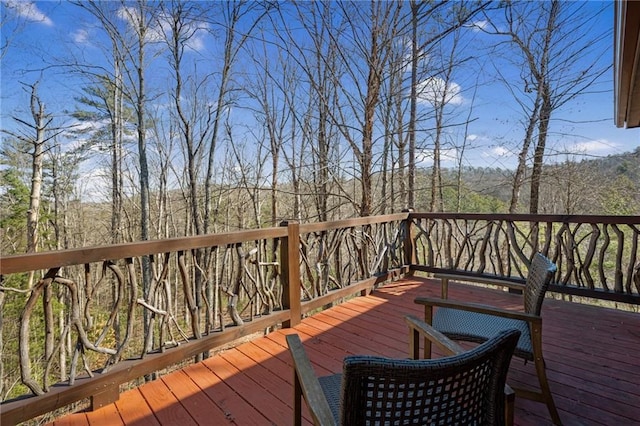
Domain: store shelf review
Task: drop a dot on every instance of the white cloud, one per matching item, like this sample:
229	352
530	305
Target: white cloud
497	152
448	156
93	186
479	25
500	151
132	16
29	11
472	138
599	146
196	42
435	91
80	36
195	32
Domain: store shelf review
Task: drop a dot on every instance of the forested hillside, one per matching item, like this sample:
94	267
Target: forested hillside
600	186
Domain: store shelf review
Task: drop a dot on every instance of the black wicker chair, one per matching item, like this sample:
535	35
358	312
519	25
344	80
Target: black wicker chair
476	323
467	388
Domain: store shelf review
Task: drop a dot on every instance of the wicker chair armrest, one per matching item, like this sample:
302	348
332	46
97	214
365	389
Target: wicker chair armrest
448	346
309	384
479	308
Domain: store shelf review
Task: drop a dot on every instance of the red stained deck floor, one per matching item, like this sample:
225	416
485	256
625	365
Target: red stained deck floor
592	354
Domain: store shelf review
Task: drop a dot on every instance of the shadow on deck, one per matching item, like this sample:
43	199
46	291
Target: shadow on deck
591	353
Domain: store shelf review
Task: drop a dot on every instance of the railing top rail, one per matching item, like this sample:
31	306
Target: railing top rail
561	218
45	260
80	256
347	223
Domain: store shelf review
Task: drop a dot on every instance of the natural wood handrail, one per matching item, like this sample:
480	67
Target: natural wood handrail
597	256
539	218
50	259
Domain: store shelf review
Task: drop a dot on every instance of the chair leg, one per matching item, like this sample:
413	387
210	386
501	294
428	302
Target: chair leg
546	390
509	405
541	371
428	318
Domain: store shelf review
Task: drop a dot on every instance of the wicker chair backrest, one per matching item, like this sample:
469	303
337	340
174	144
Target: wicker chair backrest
463	389
540	274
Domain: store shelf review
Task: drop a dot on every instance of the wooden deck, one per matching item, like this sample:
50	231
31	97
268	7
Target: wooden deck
593	364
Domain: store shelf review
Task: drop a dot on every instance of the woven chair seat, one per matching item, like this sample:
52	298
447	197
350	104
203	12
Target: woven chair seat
477	327
331	387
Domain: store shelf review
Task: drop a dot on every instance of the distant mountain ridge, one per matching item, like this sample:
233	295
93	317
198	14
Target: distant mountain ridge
582	187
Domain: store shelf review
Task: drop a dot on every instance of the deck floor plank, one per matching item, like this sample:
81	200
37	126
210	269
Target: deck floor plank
165	405
77	419
197	404
261	374
233	406
106	415
244	383
591	352
134	409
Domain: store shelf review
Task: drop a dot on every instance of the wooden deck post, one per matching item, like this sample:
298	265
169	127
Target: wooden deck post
290	276
108	395
409	252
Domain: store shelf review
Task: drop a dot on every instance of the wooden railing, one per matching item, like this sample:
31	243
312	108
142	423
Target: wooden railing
597	256
94	319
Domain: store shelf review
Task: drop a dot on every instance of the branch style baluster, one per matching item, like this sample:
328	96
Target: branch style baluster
497	244
585	266
25	359
602	257
119	295
618	286
592	252
188	294
633	268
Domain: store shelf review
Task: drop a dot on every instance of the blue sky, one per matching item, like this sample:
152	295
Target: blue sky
42	35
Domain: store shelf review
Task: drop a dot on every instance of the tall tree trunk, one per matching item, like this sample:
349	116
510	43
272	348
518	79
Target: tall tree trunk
142	27
436	172
544	92
411	173
538	156
116	153
40	123
518	177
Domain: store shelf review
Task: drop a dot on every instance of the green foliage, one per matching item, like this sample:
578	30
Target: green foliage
621	197
14	202
472	201
13	307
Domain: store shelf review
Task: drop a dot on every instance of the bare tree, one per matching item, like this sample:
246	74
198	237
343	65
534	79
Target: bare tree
372	35
317	57
233	13
37	135
38	131
193	115
130	45
271	91
550	50
423	15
